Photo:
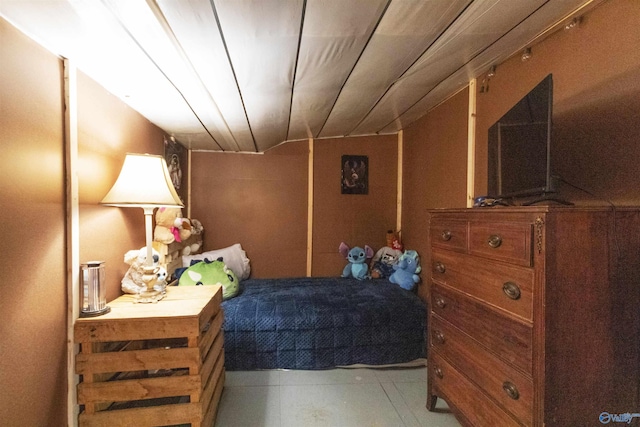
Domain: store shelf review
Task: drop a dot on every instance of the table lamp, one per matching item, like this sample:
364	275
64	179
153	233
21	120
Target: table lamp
144	182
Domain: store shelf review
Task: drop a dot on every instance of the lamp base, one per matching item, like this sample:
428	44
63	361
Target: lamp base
152	296
149	295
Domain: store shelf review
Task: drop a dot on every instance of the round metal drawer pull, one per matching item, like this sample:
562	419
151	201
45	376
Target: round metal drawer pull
511	390
438	336
511	290
494	241
438	372
446	235
440	302
440	268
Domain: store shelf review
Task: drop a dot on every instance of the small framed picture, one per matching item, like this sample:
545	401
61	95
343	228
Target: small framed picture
176	157
355	174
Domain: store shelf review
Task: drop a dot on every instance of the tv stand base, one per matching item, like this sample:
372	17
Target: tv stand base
547	199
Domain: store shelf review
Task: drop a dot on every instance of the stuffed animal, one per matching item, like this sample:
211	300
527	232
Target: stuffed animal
211	273
406	270
132	282
393	240
357	258
191	249
383	261
196	226
170	226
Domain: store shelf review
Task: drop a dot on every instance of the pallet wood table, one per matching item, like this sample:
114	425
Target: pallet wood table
152	364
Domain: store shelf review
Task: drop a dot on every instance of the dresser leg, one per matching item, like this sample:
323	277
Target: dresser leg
431	402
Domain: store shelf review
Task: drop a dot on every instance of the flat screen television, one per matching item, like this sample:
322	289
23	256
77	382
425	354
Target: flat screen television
519	147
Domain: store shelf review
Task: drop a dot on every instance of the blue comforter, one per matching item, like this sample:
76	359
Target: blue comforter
317	323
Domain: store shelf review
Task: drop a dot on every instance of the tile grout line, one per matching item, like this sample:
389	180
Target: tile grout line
415	419
280	399
400	390
391	401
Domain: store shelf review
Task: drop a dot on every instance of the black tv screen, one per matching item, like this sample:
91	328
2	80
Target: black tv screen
519	160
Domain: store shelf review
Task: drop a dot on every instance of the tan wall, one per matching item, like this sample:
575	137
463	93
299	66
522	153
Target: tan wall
107	130
33	288
33	292
356	219
259	201
596	78
434	170
596	71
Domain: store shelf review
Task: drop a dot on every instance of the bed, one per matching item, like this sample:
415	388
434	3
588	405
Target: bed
321	323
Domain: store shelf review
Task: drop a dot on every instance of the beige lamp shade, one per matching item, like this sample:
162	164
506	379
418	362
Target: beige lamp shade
144	181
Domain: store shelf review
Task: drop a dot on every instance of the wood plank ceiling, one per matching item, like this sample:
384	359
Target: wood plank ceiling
246	75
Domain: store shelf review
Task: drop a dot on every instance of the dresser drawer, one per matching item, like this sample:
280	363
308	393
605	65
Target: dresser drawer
506	286
507	338
449	234
510	388
502	241
477	407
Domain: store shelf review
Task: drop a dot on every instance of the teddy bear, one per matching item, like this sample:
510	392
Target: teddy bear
132	282
406	270
171	226
357	258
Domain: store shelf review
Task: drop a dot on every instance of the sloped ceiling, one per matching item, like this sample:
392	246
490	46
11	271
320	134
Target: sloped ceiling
246	75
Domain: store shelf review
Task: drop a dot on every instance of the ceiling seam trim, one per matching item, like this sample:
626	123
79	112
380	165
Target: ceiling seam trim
295	69
233	71
174	40
355	64
464	65
397	79
126	30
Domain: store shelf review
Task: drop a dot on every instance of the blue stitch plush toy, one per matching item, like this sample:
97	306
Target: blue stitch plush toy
357	257
406	270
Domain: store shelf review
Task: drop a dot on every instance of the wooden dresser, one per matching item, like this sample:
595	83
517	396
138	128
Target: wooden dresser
535	314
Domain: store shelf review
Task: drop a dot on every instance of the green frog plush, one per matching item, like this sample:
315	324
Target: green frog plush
211	273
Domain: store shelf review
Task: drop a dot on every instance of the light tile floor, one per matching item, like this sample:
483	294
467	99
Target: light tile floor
336	397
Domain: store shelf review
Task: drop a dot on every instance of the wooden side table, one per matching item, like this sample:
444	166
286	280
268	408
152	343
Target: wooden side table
153	364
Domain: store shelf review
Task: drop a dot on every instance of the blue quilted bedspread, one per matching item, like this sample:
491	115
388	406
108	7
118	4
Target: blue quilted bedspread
317	323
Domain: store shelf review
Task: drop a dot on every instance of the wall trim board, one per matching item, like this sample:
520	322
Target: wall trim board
72	237
310	211
400	184
471	144
189	183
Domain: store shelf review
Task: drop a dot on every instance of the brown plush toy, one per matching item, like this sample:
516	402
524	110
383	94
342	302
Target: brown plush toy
170	226
393	241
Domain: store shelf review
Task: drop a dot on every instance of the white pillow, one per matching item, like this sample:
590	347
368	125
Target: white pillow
233	256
